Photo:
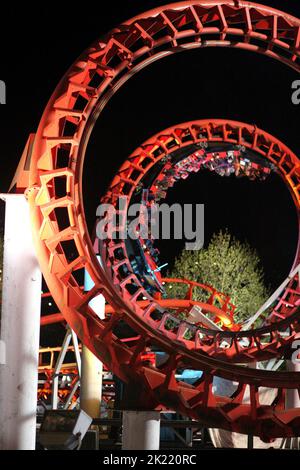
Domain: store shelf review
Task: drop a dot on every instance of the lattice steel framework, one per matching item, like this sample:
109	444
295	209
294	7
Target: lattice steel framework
57	159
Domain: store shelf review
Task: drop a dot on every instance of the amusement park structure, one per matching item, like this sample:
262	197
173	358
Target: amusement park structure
138	320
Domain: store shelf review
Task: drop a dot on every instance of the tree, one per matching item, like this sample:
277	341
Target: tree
228	265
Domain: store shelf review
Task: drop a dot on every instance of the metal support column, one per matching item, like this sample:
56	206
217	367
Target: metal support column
20	329
91	367
141	430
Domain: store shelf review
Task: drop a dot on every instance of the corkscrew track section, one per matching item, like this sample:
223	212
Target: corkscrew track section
55	194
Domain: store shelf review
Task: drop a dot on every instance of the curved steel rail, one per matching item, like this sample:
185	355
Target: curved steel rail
248	346
58	156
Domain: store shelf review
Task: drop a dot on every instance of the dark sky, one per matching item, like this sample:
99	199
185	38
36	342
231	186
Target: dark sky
41	42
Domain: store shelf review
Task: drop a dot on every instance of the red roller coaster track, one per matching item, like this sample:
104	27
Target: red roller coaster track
58	156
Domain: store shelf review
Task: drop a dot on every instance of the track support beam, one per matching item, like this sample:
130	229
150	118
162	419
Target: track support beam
90	383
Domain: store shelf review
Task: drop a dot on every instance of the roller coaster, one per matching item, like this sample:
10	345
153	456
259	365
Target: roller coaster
190	334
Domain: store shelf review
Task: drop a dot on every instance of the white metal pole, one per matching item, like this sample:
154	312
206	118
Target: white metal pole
292	399
141	430
20	329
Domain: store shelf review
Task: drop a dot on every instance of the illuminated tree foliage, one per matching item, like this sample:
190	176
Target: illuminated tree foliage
230	266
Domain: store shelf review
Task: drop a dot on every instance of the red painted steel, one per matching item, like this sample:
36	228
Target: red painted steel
218	304
58	155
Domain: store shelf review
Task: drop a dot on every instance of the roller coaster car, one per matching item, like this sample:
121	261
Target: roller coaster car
152	274
143	265
143	255
252	170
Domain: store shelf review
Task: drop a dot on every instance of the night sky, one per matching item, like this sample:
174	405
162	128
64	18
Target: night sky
41	42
